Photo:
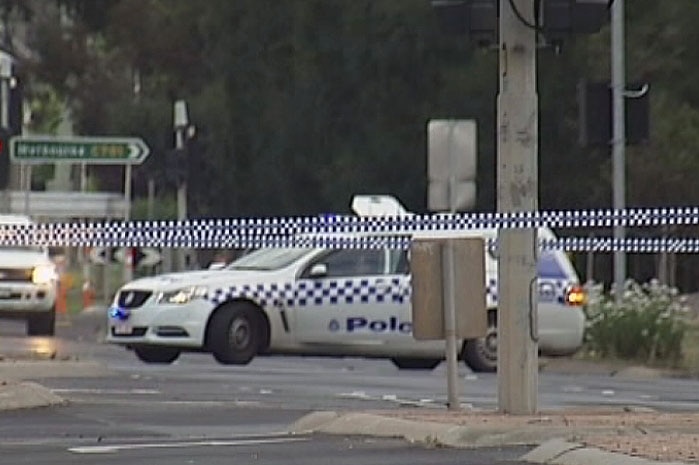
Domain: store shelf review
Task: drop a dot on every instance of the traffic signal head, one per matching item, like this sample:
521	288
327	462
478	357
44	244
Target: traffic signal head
476	18
559	18
5	135
563	18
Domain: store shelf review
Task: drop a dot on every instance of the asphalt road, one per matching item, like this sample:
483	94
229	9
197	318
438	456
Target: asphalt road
196	411
263	450
326	383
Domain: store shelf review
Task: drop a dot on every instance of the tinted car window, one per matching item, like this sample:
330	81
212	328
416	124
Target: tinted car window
345	263
550	267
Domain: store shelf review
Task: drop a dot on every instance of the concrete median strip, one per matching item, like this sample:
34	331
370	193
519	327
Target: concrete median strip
559	452
21	395
436	433
551	441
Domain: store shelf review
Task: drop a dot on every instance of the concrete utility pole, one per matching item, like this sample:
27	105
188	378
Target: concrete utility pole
618	138
517	190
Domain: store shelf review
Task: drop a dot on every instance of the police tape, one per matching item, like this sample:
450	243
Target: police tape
267	232
568	244
327	224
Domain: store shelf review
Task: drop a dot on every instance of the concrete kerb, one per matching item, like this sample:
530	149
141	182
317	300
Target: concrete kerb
550	448
560	452
26	394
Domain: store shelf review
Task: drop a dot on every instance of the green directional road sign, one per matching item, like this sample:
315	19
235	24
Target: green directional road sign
91	150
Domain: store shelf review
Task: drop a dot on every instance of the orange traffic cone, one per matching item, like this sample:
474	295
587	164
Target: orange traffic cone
88	295
62	298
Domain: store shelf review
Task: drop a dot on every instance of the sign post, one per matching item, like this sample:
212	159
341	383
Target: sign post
90	150
85	150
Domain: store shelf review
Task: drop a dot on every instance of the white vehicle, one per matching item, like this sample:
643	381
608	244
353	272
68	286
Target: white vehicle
321	302
28	283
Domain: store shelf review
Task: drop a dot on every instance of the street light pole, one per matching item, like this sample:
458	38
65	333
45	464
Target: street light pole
181	121
618	139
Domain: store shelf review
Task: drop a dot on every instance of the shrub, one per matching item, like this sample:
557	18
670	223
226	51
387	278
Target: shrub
648	324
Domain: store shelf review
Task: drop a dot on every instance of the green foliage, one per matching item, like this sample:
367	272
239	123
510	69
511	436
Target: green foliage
162	208
300	104
648	324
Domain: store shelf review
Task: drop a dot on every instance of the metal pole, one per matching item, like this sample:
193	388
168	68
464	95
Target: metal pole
517	190
27	181
151	198
449	293
618	139
128	259
5	75
180	123
181	201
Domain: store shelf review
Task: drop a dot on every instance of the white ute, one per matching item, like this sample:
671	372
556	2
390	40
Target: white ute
317	301
28	284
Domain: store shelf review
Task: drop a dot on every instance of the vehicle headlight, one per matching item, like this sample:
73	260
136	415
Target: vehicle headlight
44	274
182	296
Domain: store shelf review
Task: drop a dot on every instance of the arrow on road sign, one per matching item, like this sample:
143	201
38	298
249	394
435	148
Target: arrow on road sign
91	150
100	255
141	257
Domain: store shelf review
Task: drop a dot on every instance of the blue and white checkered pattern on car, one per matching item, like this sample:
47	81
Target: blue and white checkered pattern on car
318	292
357	291
550	290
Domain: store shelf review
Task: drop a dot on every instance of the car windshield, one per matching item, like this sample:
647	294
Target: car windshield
268	259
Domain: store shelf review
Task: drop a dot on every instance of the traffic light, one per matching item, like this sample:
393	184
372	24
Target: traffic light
476	18
563	18
5	135
558	19
16	104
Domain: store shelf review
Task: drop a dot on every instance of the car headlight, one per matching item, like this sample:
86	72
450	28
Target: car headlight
182	296
44	274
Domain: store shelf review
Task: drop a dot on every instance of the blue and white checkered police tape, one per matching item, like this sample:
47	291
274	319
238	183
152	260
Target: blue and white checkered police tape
327	231
571	244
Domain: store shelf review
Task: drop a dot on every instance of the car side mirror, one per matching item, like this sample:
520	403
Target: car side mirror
318	270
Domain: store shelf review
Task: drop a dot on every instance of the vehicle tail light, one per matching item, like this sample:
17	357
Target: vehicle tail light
576	296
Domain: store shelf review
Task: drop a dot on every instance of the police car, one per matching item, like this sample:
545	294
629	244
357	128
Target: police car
314	301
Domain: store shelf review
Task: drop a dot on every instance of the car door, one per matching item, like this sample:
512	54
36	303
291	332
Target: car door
353	297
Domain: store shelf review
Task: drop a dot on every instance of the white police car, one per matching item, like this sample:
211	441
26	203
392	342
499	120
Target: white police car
347	302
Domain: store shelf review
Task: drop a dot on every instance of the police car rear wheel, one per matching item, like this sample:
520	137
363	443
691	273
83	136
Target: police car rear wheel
481	355
415	363
164	355
234	334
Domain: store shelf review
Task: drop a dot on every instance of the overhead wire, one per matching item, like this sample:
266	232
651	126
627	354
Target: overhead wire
524	20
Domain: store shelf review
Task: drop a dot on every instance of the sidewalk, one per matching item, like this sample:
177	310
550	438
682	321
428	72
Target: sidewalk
619	436
567	438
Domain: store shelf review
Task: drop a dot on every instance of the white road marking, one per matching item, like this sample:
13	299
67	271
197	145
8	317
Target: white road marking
106	391
167	445
354	394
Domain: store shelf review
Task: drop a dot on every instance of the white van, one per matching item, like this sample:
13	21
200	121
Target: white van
316	301
28	283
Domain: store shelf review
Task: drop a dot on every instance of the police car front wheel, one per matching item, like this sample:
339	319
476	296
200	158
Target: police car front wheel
234	334
164	355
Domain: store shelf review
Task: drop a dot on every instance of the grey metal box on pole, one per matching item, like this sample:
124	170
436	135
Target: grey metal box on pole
429	281
451	164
